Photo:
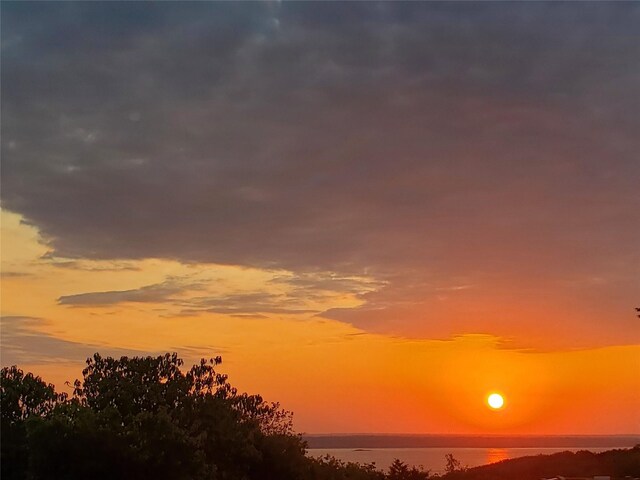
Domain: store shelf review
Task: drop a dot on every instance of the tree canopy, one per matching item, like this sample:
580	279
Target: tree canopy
150	418
144	417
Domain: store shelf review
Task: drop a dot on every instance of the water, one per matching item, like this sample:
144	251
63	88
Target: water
433	458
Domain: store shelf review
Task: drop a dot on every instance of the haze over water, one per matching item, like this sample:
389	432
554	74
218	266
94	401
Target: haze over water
429	451
433	458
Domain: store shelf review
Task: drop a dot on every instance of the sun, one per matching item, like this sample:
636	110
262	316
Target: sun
495	401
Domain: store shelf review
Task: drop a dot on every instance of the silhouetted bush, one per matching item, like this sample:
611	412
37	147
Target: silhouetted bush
143	417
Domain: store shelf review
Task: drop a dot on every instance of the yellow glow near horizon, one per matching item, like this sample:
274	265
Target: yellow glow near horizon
379	381
495	401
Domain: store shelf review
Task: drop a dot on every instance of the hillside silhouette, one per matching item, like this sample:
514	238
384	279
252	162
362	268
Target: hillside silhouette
615	463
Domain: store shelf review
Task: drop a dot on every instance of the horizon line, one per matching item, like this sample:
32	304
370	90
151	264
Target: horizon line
475	434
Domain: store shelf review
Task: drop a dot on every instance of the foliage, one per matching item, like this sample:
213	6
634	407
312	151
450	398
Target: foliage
25	395
614	463
22	396
143	417
401	471
146	418
453	464
330	468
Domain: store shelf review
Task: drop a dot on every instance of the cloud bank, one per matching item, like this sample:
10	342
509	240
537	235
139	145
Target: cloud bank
427	145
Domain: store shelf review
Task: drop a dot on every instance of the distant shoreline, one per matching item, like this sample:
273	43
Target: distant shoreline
482	441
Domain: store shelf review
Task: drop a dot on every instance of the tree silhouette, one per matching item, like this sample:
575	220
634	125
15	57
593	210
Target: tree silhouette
22	396
148	418
143	417
25	395
453	464
401	471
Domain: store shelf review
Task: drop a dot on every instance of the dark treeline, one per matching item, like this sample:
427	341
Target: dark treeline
621	463
146	418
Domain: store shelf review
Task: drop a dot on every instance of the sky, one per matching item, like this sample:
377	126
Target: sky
377	213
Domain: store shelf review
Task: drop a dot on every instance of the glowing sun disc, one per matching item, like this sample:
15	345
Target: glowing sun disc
495	401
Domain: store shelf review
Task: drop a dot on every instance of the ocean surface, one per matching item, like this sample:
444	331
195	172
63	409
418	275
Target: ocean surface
433	458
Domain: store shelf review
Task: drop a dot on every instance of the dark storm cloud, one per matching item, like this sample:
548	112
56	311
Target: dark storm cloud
427	145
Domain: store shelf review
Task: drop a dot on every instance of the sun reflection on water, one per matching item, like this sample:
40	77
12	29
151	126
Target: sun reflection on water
497	455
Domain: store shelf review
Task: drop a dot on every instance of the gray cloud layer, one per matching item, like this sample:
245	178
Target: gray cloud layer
244	303
430	145
251	304
22	342
161	292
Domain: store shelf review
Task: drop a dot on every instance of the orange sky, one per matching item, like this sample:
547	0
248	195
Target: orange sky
336	378
376	212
